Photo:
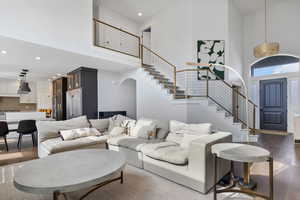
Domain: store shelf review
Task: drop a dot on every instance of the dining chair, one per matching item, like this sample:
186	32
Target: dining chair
26	127
3	132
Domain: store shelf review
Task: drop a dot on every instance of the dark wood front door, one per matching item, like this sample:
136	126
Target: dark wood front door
273	104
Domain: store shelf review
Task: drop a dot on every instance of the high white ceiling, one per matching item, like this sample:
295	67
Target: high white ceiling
21	55
131	8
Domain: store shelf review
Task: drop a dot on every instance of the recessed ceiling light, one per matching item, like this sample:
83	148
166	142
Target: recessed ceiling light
38	58
140	14
58	74
4	52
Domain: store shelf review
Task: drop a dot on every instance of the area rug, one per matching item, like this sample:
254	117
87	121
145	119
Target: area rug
138	185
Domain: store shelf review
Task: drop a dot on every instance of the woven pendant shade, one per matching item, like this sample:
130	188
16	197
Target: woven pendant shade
266	48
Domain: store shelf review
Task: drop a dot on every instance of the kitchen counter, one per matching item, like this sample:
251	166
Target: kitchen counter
15	117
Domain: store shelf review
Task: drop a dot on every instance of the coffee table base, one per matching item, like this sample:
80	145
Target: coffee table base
57	194
243	190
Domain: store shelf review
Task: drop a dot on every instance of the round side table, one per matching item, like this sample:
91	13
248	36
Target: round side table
245	154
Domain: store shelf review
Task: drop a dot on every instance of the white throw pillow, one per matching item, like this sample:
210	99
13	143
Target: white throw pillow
143	128
201	128
117	131
142	131
116	121
187	139
100	124
194	129
176	126
128	124
78	133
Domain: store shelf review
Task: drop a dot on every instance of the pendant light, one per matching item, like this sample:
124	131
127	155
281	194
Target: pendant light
24	85
266	48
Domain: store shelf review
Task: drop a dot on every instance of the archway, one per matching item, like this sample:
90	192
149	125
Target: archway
128	88
275	87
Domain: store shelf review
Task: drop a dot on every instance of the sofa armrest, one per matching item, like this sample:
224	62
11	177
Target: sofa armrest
200	158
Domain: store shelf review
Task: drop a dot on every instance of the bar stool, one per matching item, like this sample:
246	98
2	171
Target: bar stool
26	127
3	132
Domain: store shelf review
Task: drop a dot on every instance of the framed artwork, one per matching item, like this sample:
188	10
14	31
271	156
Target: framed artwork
211	52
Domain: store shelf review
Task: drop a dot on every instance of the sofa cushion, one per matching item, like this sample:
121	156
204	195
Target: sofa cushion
50	129
188	138
100	124
56	145
166	151
130	142
79	133
174	137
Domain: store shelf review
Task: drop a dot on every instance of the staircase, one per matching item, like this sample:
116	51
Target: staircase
215	96
164	82
208	106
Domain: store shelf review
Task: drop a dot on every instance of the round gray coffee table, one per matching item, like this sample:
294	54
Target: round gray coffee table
70	171
246	154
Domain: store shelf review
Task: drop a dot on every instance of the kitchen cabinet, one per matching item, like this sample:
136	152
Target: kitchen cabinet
59	98
44	95
9	87
74	80
82	97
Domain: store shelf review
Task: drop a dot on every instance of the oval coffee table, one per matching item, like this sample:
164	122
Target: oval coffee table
70	171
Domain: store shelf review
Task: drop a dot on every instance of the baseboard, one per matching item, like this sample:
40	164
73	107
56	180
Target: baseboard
297	141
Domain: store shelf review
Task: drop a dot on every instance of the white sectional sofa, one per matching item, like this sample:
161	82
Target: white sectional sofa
166	151
50	141
164	155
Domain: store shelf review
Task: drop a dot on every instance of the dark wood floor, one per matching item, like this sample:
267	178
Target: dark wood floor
286	164
286	167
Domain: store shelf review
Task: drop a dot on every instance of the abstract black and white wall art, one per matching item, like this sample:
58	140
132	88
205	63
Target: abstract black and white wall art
212	52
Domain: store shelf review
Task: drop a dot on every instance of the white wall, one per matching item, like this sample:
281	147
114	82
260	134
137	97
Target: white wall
284	29
171	34
210	22
236	36
61	24
113	38
115	19
152	101
175	30
114	95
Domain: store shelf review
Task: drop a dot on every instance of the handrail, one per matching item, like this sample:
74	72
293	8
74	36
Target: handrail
219	78
143	46
119	29
232	87
112	26
228	85
186	70
165	60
